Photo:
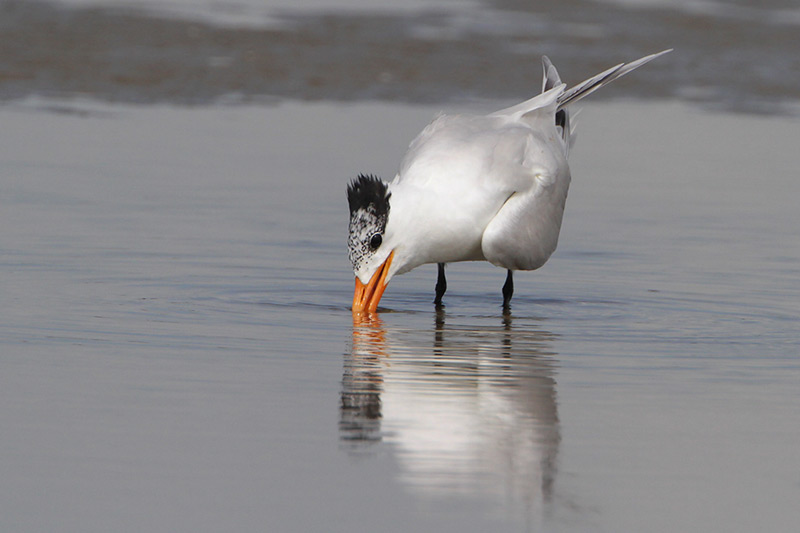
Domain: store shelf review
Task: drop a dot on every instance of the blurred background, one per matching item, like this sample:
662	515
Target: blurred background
730	54
177	351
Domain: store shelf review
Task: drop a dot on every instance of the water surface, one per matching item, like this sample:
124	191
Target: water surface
176	347
178	353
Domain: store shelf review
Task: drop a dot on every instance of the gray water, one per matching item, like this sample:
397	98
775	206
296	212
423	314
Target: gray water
177	351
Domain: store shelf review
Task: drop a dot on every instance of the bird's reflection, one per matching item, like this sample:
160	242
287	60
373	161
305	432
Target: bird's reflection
475	414
362	385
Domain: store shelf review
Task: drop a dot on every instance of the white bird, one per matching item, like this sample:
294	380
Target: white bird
471	188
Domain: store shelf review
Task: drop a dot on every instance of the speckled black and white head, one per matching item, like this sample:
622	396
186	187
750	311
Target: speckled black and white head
368	198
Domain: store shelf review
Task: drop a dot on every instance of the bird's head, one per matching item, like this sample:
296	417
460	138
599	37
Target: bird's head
367	245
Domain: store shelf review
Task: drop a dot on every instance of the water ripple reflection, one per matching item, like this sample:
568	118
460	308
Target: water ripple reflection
467	410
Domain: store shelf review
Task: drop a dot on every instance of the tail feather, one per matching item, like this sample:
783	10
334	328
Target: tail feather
584	89
550	77
555	97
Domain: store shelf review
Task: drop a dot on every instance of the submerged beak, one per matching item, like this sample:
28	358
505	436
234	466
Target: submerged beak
366	297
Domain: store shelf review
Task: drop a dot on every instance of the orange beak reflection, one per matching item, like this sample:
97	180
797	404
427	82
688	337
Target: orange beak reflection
366	297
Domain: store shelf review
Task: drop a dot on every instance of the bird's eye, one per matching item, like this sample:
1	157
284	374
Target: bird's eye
375	241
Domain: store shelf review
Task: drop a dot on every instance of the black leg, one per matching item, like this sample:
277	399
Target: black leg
441	286
508	290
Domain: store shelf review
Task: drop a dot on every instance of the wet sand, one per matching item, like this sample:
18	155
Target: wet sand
727	56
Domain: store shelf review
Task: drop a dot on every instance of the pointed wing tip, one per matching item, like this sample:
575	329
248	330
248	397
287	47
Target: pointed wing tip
633	65
657	54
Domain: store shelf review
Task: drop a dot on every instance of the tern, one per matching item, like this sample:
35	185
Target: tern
471	188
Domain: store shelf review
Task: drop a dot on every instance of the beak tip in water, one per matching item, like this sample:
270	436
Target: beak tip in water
366	297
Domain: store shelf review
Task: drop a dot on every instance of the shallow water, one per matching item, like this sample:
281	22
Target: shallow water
178	353
176	347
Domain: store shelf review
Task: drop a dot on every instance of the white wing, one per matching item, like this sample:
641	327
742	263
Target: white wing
489	187
524	232
459	174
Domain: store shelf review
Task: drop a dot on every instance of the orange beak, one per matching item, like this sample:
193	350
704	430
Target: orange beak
366	297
